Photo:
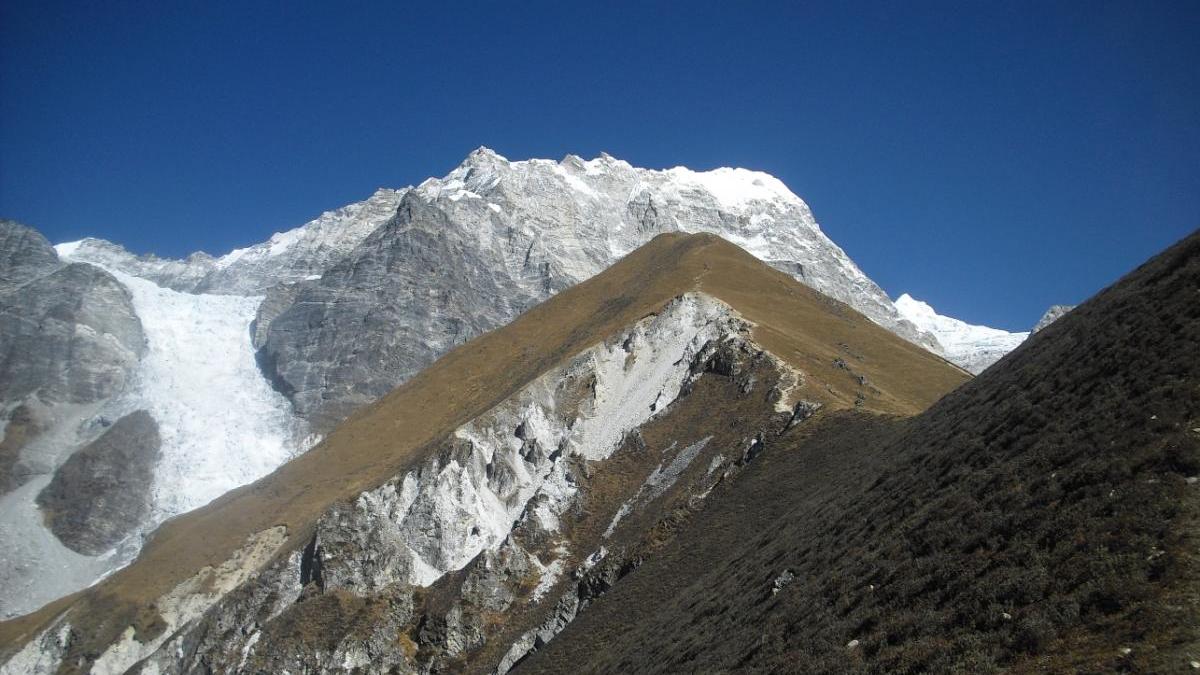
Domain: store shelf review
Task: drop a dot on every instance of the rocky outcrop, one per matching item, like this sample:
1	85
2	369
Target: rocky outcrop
24	255
70	346
70	336
101	494
480	553
1053	314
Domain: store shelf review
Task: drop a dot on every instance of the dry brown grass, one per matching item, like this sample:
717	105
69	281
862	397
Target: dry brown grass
797	324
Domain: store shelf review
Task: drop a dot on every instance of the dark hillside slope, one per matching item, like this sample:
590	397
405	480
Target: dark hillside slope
1041	518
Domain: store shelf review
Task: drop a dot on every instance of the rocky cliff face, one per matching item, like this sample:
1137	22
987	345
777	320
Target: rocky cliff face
69	338
101	494
1053	314
70	344
1040	518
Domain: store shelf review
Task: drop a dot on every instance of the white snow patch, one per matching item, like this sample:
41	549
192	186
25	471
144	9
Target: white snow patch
575	182
67	249
714	465
660	480
736	188
280	242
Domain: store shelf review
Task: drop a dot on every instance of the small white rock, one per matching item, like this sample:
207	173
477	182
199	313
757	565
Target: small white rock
1006	616
852	644
1126	651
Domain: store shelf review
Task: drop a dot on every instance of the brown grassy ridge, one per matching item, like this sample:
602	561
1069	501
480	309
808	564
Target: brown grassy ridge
797	324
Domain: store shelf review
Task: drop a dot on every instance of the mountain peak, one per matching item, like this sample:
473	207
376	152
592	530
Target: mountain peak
973	347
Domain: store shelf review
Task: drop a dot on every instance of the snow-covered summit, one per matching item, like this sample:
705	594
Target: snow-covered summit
577	216
972	347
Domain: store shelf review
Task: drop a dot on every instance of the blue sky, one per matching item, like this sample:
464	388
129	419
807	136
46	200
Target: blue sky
991	158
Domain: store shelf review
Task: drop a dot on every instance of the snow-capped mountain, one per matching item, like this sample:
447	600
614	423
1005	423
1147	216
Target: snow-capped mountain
968	346
247	358
662	467
971	347
1053	314
468	252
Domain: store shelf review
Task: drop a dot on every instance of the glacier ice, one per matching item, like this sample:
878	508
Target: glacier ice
222	426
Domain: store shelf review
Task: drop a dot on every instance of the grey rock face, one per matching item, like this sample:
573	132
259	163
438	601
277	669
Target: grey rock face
22	425
70	336
101	494
24	255
1053	314
408	294
467	253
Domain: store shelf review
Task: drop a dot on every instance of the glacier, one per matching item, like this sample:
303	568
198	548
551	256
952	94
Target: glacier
222	426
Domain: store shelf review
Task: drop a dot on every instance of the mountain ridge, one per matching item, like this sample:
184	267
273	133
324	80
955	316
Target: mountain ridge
847	362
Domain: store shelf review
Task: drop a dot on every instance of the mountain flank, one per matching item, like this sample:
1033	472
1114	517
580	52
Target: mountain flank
1041	518
702	321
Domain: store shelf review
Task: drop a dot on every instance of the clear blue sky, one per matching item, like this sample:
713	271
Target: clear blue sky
991	158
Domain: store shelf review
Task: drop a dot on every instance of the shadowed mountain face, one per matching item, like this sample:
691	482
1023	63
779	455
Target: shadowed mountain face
1041	517
448	525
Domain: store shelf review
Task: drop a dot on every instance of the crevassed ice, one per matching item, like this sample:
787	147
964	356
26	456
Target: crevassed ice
222	424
